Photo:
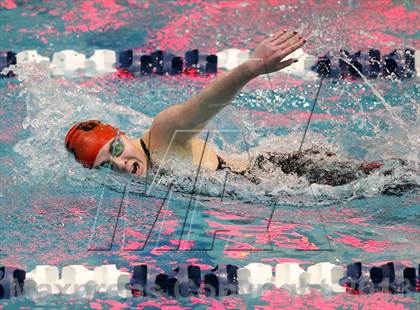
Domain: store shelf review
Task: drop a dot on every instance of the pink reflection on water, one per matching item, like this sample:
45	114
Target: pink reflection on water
281	299
284	119
98	15
366	245
8	4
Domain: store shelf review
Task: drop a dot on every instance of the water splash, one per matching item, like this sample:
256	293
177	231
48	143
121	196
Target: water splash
53	105
402	135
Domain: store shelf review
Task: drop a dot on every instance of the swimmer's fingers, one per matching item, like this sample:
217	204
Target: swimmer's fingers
283	52
284	39
269	54
291	41
276	36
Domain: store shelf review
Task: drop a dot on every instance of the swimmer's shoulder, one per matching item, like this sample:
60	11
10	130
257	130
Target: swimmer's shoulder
191	149
208	158
237	164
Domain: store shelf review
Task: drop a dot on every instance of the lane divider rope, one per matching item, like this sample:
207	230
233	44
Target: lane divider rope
223	280
399	64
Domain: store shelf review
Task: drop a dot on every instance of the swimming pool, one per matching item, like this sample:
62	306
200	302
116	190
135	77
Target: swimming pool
55	212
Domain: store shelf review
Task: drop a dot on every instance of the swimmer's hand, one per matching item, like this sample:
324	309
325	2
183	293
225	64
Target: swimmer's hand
269	54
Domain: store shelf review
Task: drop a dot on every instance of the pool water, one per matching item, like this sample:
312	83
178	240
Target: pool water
55	212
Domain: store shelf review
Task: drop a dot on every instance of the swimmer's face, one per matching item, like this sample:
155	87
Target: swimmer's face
123	155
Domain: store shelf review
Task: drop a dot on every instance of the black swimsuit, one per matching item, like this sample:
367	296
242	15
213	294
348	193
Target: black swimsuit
222	164
302	164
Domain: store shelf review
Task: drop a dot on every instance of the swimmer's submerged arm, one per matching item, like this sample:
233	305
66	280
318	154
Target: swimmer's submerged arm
197	111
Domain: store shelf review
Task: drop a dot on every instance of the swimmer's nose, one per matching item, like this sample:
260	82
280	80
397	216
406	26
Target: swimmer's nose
120	164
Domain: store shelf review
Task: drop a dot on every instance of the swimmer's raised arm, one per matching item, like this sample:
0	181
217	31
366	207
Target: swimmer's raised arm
197	111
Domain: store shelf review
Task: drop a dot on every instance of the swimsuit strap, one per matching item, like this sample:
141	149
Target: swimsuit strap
221	163
146	151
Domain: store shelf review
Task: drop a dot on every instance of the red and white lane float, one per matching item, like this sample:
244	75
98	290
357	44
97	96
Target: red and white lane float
399	64
223	280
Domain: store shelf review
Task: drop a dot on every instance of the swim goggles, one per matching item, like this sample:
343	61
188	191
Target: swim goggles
115	149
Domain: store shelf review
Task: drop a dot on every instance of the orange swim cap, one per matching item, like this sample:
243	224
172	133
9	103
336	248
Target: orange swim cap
85	139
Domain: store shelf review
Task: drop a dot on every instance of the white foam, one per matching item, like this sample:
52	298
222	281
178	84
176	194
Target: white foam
53	105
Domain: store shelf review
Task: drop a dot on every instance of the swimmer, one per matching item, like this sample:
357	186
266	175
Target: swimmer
174	130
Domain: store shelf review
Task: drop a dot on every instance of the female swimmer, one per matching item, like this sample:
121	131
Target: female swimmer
174	130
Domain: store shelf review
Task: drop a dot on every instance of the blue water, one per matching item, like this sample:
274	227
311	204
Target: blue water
55	212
